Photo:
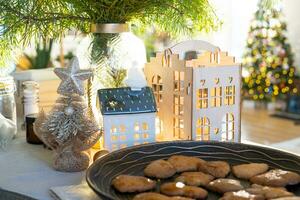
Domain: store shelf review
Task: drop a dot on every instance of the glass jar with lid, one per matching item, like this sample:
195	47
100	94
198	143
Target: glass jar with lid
8	120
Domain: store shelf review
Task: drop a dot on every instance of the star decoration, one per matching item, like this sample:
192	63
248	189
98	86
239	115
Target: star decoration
72	78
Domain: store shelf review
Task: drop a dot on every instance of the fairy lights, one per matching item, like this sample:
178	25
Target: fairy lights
268	71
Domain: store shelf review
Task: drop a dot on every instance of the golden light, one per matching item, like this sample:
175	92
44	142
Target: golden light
245	73
261	96
263	69
295	90
136	127
287	88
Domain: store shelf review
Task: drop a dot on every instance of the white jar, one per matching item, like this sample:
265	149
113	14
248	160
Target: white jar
8	119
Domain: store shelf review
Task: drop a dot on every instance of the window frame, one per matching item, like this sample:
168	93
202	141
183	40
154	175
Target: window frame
202	98
203	124
229	95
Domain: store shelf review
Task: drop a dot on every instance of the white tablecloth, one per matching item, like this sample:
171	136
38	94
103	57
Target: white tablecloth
26	169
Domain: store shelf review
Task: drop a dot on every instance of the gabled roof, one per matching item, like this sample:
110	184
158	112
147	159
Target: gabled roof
117	101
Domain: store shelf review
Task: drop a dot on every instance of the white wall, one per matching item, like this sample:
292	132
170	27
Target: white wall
236	16
292	16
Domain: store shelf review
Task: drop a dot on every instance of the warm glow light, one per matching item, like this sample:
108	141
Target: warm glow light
261	96
136	126
295	90
157	126
245	73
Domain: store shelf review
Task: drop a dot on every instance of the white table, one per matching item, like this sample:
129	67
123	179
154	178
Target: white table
26	169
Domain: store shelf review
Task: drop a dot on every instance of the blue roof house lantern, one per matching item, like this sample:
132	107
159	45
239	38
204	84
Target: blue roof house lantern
128	116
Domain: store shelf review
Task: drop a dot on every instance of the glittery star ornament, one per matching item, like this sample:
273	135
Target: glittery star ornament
72	78
69	129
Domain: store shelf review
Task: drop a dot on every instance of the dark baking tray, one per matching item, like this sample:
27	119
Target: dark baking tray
9	195
133	160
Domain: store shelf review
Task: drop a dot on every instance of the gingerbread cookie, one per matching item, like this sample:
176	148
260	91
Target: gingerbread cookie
269	192
223	185
276	178
185	163
159	169
180	189
157	196
127	183
242	195
218	169
247	171
287	198
195	178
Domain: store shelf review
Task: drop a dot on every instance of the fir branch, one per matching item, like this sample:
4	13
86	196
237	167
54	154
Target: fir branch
23	20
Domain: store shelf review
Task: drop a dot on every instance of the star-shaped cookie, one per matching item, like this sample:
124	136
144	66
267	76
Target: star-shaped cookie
72	78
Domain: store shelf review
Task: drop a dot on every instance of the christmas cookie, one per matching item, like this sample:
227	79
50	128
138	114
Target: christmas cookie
195	178
269	192
157	196
287	198
127	183
242	195
218	169
185	163
159	169
247	171
223	185
277	178
180	189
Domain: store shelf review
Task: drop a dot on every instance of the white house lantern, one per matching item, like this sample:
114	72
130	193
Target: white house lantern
128	116
197	98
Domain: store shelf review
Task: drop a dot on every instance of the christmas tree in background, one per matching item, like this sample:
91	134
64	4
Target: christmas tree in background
268	60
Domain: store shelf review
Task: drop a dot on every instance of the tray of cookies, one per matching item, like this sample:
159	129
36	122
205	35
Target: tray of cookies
185	170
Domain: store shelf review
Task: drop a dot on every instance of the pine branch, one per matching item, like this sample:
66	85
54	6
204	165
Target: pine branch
24	20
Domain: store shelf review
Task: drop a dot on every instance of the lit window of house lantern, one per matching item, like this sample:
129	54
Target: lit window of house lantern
198	98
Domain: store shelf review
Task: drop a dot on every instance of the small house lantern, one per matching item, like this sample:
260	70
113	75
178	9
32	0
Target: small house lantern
197	98
128	114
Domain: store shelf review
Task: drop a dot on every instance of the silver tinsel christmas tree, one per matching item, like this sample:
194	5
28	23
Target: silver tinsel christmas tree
70	129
